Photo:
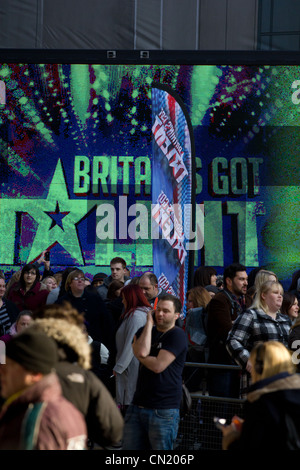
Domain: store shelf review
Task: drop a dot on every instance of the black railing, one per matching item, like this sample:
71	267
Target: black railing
197	430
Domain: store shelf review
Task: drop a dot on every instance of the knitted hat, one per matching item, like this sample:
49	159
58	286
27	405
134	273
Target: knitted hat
34	351
99	277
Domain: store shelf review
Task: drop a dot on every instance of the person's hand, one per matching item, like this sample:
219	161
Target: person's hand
42	257
231	432
42	260
150	317
249	366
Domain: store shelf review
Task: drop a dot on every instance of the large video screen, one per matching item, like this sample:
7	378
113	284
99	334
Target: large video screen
77	150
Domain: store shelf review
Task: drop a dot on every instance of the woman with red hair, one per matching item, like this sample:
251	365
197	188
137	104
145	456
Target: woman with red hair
126	368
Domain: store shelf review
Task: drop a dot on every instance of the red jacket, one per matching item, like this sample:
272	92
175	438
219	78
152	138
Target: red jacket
55	424
31	300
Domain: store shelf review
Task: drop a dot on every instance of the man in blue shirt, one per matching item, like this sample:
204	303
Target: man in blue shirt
152	419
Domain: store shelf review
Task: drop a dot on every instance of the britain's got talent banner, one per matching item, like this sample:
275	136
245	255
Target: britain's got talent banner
172	190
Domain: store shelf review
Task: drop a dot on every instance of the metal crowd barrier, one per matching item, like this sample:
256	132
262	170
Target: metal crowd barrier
197	430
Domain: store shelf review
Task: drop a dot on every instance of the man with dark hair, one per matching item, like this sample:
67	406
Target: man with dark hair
153	417
222	310
35	415
149	284
118	272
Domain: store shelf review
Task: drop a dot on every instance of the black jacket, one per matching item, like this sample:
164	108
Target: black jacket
99	323
272	415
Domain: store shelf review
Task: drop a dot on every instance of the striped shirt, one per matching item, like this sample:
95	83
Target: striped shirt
5	322
254	326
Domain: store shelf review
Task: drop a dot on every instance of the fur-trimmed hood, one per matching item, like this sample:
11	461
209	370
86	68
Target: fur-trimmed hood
67	334
279	382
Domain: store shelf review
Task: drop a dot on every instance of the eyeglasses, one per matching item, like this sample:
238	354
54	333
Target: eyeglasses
30	273
78	279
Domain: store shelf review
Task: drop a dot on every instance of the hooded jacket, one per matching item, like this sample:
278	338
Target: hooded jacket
80	385
272	415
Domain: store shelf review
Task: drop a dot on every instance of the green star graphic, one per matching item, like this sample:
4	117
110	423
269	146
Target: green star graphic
37	208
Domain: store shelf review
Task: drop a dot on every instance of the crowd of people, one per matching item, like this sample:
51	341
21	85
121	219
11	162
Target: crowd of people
114	349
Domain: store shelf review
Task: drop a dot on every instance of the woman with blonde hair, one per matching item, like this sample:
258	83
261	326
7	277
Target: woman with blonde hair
272	410
263	321
262	276
49	282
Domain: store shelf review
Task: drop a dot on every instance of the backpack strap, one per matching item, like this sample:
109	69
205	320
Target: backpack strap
31	425
234	304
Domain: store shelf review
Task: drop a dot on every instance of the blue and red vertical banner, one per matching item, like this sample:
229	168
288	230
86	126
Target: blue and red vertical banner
172	192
